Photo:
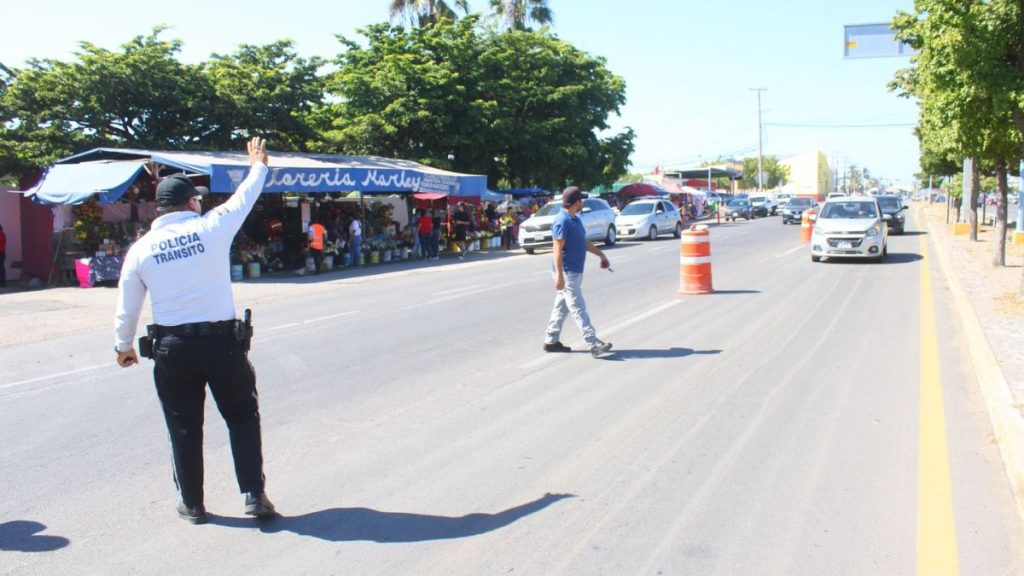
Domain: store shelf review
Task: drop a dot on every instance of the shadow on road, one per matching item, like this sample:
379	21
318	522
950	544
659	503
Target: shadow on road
620	355
911	233
22	536
353	524
727	292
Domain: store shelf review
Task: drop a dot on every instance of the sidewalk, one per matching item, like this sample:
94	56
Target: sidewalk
991	318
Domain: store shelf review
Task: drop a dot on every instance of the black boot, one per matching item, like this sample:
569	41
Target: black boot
257	504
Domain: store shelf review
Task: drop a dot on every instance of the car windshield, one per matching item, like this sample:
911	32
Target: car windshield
549	209
637	208
738	204
889	203
801	201
849	210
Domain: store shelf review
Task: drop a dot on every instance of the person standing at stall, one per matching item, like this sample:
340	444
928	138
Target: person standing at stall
508	224
355	241
195	340
317	235
435	236
460	222
425	229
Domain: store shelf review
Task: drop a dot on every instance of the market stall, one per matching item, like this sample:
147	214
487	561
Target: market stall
299	188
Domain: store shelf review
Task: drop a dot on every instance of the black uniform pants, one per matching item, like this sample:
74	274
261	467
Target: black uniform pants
184	367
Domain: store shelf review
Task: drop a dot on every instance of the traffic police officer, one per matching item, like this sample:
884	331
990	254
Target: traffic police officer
196	340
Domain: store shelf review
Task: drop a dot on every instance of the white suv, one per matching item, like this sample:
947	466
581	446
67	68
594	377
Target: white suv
597	216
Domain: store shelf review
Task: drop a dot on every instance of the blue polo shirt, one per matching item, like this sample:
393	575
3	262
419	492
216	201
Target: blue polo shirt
571	229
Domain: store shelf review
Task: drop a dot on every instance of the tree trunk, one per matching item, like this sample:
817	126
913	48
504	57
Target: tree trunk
975	191
999	257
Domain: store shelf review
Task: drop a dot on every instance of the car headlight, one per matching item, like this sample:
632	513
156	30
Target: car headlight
874	230
818	231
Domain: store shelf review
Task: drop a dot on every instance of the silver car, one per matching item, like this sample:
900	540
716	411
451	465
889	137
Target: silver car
850	227
648	217
597	216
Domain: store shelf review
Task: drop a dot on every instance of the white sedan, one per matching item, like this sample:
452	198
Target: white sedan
850	227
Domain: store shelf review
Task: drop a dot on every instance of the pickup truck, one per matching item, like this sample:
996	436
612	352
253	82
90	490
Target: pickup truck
762	205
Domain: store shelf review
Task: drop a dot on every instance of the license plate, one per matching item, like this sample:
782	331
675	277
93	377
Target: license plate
845	245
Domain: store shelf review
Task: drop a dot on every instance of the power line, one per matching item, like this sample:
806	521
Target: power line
788	125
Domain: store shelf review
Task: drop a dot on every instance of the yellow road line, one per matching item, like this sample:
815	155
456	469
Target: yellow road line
936	531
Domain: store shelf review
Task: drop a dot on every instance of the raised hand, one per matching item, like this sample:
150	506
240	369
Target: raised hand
257	148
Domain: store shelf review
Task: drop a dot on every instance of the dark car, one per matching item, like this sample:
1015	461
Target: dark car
892	206
794	209
739	208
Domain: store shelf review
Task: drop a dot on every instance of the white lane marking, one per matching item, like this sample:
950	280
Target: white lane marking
610	330
57	375
460	289
466	293
788	252
310	321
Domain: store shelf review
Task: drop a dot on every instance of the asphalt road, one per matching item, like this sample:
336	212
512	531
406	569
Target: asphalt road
803	419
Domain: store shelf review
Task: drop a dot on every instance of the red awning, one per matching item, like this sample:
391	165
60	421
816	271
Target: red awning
428	196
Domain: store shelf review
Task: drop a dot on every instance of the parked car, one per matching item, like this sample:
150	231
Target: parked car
794	209
893	207
761	206
597	216
850	227
738	208
648	217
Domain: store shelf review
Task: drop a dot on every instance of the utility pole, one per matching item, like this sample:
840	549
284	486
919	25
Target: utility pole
760	142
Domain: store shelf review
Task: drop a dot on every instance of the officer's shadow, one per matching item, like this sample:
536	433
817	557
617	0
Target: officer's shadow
352	524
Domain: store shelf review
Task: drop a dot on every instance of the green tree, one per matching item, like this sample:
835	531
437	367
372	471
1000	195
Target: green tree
968	77
514	14
425	12
410	94
552	101
775	173
522	107
268	91
140	97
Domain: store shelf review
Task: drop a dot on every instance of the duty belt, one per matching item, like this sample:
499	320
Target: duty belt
193	329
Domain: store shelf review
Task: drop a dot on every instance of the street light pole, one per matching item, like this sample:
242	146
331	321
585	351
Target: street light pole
760	142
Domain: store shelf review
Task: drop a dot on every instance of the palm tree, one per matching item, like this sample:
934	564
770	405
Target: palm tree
423	12
515	13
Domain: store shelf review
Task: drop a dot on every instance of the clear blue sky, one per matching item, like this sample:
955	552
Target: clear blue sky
689	66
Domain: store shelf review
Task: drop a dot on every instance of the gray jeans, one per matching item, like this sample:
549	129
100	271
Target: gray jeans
570	301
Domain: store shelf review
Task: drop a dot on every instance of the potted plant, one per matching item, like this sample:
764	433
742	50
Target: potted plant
330	251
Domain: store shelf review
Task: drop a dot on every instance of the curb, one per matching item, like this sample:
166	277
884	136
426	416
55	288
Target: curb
1007	422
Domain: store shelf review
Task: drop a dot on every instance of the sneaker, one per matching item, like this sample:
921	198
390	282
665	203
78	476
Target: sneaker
192	514
556	347
257	504
600	348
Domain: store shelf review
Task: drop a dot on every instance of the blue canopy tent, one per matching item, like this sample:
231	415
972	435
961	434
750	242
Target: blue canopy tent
293	172
517	192
76	183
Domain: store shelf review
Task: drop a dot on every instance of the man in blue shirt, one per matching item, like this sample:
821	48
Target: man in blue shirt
570	252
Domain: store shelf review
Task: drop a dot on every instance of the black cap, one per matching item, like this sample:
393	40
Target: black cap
176	189
572	195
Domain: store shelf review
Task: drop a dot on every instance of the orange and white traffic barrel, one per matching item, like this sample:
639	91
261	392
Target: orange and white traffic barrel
695	261
806	225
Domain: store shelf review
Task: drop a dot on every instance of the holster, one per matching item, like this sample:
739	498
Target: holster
243	330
